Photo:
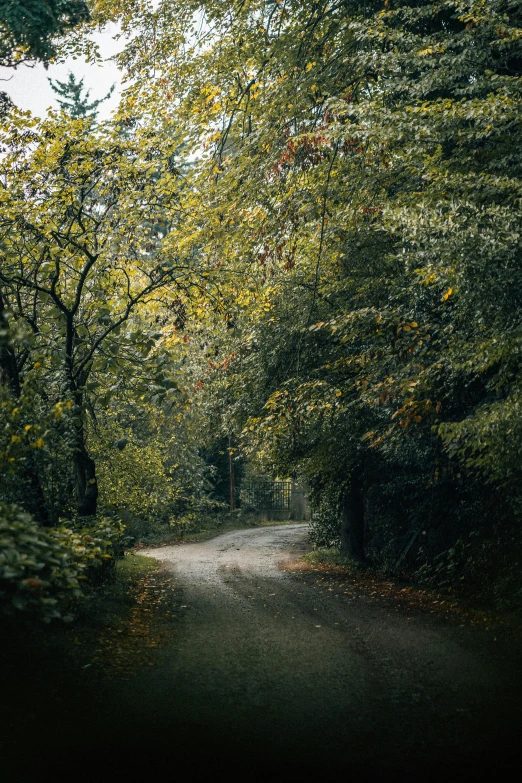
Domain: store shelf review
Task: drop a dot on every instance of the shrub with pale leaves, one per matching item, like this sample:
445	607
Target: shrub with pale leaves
45	572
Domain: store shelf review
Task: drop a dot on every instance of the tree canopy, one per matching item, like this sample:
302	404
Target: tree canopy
298	242
29	28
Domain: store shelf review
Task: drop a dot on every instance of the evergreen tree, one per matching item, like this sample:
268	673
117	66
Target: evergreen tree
5	103
75	99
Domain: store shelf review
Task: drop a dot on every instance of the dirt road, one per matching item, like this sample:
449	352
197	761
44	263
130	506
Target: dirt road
267	672
268	668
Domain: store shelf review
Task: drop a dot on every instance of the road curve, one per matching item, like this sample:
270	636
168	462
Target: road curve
266	668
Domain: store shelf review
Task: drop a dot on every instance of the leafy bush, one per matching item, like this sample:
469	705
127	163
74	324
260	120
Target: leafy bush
206	514
36	444
94	547
484	563
325	522
44	572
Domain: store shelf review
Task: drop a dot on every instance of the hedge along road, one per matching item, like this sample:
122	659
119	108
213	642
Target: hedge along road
269	674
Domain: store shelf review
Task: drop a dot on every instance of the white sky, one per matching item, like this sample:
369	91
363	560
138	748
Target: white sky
29	88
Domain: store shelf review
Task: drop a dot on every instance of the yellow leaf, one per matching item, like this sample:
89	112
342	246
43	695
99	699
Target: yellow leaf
447	294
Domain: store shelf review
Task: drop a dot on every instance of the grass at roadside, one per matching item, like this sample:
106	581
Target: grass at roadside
328	569
134	619
333	559
111	633
58	678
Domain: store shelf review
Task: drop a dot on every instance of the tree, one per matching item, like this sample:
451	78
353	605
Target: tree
350	222
29	28
361	169
73	101
77	259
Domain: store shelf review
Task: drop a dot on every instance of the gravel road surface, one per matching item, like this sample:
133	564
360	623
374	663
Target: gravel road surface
267	669
236	661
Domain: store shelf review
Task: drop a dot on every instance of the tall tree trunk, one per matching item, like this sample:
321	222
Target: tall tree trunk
86	485
352	519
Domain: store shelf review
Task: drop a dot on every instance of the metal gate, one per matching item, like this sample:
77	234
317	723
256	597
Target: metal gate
267	495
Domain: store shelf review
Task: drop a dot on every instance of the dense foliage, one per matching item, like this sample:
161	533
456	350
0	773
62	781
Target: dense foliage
43	571
29	28
362	179
298	243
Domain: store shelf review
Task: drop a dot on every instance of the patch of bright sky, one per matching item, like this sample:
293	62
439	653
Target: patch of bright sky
29	88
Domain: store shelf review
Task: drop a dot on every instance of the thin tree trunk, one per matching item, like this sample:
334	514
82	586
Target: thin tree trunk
8	368
231	477
85	482
10	377
352	519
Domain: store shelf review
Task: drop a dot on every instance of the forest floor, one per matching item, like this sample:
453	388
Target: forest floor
235	654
